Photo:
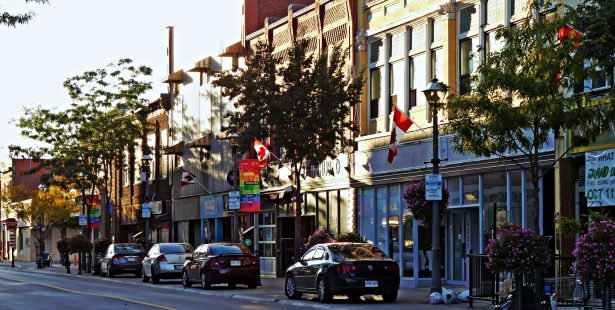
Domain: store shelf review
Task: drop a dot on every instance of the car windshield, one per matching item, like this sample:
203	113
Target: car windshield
226	249
342	252
127	248
175	248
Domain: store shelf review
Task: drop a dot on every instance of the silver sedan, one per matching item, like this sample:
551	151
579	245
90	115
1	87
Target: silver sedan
165	261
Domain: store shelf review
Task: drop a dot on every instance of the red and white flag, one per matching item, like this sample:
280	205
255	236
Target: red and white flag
187	177
401	124
261	152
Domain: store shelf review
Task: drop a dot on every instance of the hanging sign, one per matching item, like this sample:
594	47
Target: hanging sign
600	178
249	185
433	187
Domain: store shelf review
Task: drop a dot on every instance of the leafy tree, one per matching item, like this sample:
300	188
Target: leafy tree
86	141
594	20
521	98
303	104
12	20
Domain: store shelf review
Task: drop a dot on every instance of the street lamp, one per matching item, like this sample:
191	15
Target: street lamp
41	228
233	139
435	93
3	249
145	173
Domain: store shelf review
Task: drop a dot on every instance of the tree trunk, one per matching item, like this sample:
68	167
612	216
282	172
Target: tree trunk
539	288
297	195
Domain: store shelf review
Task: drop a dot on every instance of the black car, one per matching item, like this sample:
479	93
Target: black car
351	269
122	258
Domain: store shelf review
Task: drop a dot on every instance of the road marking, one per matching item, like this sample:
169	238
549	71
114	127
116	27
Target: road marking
93	294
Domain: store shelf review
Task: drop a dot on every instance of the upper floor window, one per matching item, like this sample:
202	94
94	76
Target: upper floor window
466	64
396	91
396	45
468	19
494	12
375	52
375	77
599	79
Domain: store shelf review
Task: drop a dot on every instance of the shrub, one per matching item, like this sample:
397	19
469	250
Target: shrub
79	243
568	226
595	252
100	245
351	237
63	246
517	250
318	237
421	208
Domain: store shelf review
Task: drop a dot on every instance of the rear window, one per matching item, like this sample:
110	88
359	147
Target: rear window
356	251
175	248
227	249
128	248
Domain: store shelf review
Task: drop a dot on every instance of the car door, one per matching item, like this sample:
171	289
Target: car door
192	266
313	265
148	260
104	264
300	271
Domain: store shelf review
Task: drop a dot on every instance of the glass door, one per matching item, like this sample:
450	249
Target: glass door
457	245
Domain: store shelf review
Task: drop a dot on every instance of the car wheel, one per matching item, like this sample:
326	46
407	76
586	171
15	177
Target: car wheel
185	281
290	289
204	283
253	284
232	285
323	290
390	297
155	278
138	274
145	278
354	297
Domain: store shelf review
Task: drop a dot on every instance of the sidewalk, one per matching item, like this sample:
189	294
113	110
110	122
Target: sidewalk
272	290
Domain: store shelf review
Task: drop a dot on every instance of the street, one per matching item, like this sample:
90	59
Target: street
25	287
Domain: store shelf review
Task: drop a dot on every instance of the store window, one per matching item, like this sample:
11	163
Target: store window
394	213
494	203
454	191
408	244
382	220
470	190
516	197
266	233
530	206
368	220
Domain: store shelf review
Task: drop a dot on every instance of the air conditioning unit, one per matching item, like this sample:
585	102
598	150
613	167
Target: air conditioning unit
156	207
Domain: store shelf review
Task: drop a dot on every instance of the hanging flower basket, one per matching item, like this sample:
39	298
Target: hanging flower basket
421	208
595	252
518	251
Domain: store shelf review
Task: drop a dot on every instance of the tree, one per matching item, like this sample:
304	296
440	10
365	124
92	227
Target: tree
521	98
87	140
12	20
303	105
594	20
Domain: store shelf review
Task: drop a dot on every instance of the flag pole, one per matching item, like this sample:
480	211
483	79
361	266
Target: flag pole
205	188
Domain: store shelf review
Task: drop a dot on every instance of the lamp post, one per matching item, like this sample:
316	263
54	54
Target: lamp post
3	249
233	138
435	93
145	173
41	228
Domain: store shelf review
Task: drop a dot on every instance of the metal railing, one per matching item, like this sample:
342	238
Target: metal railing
484	284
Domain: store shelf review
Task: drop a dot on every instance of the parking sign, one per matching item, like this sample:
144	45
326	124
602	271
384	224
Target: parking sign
433	187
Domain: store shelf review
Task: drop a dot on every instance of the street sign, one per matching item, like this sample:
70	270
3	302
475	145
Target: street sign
83	220
11	223
12	239
433	187
145	210
233	200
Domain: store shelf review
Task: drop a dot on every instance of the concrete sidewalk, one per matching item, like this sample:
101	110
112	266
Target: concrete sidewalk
272	290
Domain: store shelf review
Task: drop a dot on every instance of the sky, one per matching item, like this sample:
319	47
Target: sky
69	37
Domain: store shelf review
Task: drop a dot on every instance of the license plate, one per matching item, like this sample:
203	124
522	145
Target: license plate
178	267
131	259
371	283
235	263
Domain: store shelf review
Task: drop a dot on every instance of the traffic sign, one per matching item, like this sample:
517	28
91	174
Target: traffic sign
234	202
12	239
11	223
433	187
145	210
83	219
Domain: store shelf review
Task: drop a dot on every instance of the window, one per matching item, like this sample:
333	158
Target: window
408	244
468	19
418	76
470	190
368	222
516	197
495	12
418	37
266	233
396	82
598	78
454	192
319	254
375	91
437	61
436	31
466	63
375	51
494	202
381	218
229	249
530	207
412	86
396	45
308	256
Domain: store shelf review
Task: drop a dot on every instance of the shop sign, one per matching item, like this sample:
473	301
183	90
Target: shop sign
600	178
433	187
249	185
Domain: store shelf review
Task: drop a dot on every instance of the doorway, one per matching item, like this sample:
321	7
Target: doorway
457	244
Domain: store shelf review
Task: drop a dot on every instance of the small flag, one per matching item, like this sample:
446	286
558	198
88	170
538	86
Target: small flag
187	177
261	152
401	124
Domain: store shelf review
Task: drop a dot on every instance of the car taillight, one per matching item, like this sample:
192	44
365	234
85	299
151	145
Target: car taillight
119	259
213	263
254	260
346	268
391	267
161	258
141	257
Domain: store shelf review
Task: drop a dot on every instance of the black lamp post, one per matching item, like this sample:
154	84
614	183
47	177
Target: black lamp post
41	228
233	139
435	93
145	173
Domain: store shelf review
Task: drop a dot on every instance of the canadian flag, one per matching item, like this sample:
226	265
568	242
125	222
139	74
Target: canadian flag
261	152
401	124
187	177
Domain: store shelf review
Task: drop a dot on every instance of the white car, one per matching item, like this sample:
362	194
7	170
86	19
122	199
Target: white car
165	261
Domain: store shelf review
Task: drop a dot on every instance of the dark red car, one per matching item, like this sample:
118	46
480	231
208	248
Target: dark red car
215	263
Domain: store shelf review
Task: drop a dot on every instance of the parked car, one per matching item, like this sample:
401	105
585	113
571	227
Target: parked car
165	261
351	269
122	258
215	263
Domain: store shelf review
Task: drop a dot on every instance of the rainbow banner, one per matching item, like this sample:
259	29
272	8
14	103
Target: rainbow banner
249	185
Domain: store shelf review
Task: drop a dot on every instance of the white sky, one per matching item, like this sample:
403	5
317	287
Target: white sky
69	37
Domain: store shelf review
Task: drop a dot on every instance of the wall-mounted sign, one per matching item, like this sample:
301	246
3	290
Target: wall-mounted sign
600	178
249	185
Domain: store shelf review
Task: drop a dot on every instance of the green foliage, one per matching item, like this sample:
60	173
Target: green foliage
78	244
101	245
594	20
351	237
12	20
568	226
63	246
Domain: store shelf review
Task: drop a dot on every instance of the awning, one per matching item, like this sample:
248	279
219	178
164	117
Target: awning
236	49
177	149
279	192
204	141
175	77
205	65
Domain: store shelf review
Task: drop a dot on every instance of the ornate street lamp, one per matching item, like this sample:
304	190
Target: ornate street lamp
41	229
145	173
435	93
233	139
